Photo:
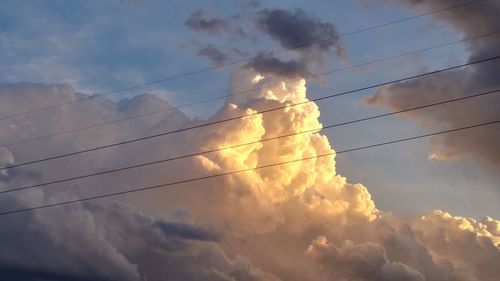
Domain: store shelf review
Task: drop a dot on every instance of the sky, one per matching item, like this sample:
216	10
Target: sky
425	209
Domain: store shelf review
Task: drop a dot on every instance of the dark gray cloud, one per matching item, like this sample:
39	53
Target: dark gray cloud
293	29
273	65
214	54
290	28
187	231
297	28
113	242
472	20
22	274
60	246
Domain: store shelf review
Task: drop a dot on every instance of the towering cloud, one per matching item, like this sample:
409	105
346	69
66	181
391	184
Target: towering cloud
296	221
471	20
299	221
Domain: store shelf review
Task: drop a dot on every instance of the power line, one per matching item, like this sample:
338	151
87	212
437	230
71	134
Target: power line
246	92
249	143
303	45
245	115
170	184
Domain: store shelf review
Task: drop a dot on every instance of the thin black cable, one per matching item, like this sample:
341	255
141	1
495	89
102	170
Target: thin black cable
246	92
246	115
306	44
249	143
170	184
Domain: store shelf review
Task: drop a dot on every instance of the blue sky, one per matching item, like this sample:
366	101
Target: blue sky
97	46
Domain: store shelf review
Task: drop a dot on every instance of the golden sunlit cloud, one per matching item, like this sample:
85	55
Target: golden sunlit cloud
294	205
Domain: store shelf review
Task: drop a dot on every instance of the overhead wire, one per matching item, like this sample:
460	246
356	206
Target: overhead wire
10	190
175	183
234	118
245	92
247	115
299	46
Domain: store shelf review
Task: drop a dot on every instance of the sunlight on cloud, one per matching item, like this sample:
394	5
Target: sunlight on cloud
297	221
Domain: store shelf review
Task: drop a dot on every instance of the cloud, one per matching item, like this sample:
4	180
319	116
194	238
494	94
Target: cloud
275	66
204	21
451	236
365	261
214	54
293	29
114	242
473	20
297	28
289	28
256	225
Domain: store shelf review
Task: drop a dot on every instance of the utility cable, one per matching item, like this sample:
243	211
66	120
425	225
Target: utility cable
246	92
299	46
248	143
172	184
247	115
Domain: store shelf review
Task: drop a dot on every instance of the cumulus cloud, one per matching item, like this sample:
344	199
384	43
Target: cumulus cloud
300	221
451	236
256	225
366	261
472	20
